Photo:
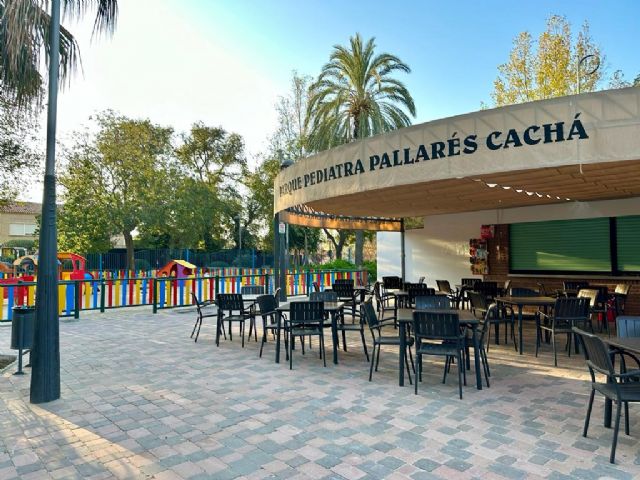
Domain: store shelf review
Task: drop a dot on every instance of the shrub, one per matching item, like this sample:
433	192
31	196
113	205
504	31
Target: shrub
141	264
372	267
217	264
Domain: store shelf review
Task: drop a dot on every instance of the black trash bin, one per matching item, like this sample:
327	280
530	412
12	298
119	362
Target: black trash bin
22	331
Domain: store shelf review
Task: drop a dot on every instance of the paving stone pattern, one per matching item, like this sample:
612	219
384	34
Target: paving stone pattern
141	400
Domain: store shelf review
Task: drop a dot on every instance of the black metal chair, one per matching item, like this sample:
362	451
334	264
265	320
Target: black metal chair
491	316
445	287
421	280
621	388
480	307
619	297
268	311
375	327
252	290
347	294
488	289
386	304
392	283
417	290
433	302
567	313
571	287
438	333
306	319
524	292
199	309
230	303
340	324
598	306
316	286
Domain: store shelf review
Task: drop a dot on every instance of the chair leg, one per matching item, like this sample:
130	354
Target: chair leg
413	367
485	365
378	357
291	353
198	320
264	340
373	354
626	418
242	332
324	357
344	340
199	323
406	363
447	362
460	371
588	417
612	457
364	344
553	344
464	371
230	332
419	372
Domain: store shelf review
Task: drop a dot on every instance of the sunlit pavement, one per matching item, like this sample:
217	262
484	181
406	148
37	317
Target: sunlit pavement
140	399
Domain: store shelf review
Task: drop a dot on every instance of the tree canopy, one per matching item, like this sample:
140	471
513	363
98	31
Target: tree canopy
548	68
24	33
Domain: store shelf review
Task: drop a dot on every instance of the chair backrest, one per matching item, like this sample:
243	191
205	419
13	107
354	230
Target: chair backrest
444	286
195	301
469	282
542	289
507	286
369	313
492	313
435	325
488	289
421	280
229	301
596	353
267	304
478	301
568	308
343	281
343	290
437	302
326	296
627	326
574	284
392	282
252	289
316	287
306	312
591	294
603	294
523	292
418	290
623	288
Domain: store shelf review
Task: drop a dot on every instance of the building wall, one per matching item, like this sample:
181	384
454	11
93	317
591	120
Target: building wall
440	251
8	218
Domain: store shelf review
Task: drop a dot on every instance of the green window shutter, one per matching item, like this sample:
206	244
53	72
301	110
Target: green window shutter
628	232
560	245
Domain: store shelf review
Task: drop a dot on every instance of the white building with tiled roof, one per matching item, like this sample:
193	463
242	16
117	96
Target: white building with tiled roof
18	221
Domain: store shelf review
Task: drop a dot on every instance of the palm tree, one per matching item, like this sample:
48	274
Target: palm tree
24	35
355	96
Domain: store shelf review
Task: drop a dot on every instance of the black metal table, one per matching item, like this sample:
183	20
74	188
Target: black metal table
405	316
520	302
332	307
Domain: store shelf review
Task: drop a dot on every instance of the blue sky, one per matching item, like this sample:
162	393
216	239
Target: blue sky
225	62
453	48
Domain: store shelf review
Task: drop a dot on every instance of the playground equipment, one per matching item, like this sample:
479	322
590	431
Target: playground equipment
71	266
178	269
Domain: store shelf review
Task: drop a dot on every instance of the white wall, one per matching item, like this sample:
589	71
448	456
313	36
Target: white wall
440	251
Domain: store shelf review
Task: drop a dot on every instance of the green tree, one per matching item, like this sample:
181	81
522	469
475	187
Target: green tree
212	162
18	158
116	181
617	80
24	33
549	68
356	96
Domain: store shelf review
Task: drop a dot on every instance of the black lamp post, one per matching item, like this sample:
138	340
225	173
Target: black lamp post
45	355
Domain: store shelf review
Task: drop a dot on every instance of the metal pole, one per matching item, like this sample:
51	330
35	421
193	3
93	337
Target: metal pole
45	355
402	252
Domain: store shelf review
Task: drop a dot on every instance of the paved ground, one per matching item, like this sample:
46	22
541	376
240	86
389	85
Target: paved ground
142	400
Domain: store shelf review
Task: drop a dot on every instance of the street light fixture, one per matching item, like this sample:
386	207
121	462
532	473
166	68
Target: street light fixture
590	72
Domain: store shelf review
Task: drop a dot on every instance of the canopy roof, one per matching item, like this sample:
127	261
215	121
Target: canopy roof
574	148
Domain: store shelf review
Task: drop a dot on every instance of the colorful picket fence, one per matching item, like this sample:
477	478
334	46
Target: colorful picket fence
102	294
